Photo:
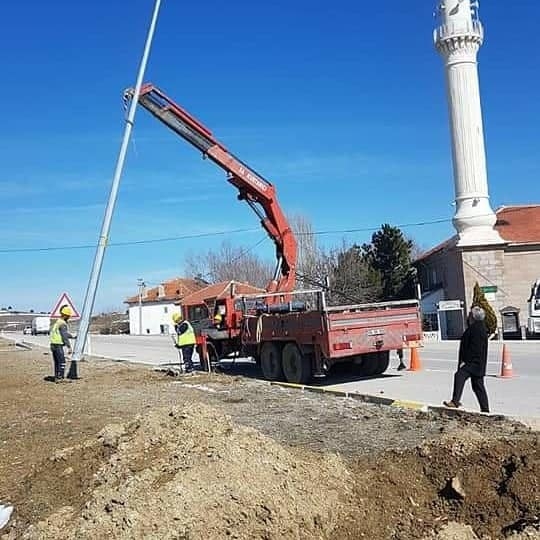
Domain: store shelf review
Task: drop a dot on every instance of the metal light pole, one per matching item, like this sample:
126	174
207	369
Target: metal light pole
105	228
142	284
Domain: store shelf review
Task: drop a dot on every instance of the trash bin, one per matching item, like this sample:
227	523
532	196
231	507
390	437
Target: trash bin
511	328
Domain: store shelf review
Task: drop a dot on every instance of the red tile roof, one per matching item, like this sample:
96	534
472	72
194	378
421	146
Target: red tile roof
218	290
519	224
173	290
516	225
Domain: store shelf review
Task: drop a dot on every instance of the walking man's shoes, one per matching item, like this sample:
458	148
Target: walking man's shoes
451	405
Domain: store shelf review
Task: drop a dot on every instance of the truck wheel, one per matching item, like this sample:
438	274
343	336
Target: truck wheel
296	366
381	360
369	366
375	363
271	361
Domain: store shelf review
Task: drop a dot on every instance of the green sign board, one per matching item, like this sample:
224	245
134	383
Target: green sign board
489	289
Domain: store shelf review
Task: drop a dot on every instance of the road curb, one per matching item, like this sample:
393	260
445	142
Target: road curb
28	345
367	398
397	403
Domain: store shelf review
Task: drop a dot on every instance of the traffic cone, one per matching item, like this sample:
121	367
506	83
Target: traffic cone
416	365
507	370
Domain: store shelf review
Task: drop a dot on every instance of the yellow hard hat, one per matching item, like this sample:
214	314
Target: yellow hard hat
177	317
218	317
66	310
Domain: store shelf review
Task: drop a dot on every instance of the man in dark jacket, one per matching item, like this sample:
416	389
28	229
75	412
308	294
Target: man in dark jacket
473	350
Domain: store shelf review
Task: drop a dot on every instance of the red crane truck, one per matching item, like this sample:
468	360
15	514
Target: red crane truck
291	338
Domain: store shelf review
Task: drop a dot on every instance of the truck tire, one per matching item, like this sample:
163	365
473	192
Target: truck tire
271	361
382	361
296	366
370	365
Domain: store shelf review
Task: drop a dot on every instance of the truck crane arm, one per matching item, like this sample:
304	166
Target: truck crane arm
252	187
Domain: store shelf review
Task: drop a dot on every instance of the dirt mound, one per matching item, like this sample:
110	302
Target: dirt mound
178	474
174	475
490	484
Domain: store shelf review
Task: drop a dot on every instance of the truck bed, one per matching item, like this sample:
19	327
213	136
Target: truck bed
342	332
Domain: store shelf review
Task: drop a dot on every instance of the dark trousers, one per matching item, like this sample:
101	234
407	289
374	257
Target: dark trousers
187	354
59	361
477	383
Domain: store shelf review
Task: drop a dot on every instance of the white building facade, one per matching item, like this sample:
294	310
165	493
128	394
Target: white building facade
150	311
156	318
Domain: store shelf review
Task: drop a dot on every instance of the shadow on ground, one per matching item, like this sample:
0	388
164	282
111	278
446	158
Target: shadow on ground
339	374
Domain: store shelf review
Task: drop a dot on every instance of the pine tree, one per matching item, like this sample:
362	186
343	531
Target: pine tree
479	299
389	255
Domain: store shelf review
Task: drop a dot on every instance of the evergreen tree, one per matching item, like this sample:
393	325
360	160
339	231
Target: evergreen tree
389	255
479	299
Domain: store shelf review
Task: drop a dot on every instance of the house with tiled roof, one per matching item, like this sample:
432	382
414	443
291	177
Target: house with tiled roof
505	272
200	305
150	310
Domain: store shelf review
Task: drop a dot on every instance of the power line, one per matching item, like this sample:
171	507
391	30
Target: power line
369	229
129	243
483	276
234	231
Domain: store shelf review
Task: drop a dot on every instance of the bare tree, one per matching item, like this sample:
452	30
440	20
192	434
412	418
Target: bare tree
313	263
351	278
227	263
417	250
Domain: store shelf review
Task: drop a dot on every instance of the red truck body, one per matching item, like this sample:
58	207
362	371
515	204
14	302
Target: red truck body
311	341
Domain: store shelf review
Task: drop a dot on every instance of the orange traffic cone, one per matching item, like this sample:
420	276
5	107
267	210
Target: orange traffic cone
416	365
507	370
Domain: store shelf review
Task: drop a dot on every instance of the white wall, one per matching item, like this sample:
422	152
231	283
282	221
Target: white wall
154	316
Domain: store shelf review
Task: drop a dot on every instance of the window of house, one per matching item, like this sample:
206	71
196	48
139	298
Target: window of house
161	290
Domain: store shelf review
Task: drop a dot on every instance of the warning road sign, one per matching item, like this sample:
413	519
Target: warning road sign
64	300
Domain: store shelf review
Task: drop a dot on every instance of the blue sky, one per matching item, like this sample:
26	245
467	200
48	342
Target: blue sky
341	104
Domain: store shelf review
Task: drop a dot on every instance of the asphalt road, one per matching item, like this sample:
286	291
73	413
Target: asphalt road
517	396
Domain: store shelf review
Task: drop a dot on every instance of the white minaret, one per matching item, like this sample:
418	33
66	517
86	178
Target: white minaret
458	39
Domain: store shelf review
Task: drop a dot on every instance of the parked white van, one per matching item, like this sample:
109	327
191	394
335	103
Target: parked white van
41	325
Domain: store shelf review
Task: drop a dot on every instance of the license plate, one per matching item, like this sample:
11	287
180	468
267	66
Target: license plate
376	332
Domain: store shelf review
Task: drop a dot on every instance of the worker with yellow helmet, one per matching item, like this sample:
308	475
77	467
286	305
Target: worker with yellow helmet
219	323
59	338
185	340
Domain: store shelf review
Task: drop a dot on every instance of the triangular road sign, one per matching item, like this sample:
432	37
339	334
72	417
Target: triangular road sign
64	300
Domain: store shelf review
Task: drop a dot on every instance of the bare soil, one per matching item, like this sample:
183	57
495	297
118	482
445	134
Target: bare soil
127	452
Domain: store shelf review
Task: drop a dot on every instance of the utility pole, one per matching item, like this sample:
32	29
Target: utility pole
93	282
142	285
